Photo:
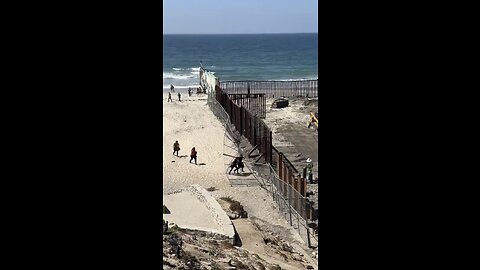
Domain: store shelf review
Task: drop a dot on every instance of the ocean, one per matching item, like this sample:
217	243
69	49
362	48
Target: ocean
239	57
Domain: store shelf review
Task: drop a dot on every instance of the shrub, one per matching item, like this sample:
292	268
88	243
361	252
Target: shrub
236	207
227	199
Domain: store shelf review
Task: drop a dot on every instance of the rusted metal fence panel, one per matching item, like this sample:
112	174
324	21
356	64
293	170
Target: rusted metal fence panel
245	122
286	197
259	134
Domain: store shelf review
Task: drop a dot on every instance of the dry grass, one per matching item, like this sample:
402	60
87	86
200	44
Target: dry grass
234	205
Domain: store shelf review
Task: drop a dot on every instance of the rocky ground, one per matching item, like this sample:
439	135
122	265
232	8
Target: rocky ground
186	249
258	245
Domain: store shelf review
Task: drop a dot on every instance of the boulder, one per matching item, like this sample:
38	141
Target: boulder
258	266
235	263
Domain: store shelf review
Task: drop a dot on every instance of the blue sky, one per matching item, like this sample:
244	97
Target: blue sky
239	16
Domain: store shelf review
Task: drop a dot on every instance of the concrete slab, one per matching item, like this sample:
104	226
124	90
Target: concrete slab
195	209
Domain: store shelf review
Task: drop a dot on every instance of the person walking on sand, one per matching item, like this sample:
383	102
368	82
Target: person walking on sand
193	155
172	88
233	165
176	147
169	98
179	96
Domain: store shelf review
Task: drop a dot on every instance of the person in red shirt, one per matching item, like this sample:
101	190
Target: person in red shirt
193	155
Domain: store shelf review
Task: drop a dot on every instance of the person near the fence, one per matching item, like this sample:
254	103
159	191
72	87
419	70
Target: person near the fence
172	88
233	165
309	170
169	98
189	92
239	164
193	155
176	147
179	96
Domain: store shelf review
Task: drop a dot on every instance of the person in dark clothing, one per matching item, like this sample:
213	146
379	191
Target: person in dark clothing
233	165
169	98
189	92
172	88
179	96
240	164
176	147
193	155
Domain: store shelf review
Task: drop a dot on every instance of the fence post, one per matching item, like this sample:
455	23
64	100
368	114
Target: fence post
272	176
298	222
308	234
289	194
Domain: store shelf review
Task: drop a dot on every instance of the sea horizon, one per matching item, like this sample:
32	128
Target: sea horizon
239	56
212	34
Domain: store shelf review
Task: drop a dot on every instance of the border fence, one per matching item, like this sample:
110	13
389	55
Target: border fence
300	88
234	109
247	124
287	197
255	103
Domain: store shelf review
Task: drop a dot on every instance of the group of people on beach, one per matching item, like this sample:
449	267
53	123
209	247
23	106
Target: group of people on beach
193	152
237	164
170	97
172	89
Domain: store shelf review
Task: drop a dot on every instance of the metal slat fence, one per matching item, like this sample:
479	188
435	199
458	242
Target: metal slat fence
286	197
287	187
258	133
301	88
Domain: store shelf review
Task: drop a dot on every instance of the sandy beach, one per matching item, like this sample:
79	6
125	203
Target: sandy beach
193	124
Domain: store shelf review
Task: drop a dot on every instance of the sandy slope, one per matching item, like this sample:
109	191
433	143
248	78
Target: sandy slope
193	124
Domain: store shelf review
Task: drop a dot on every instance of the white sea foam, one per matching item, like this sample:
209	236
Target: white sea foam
177	69
168	75
180	86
